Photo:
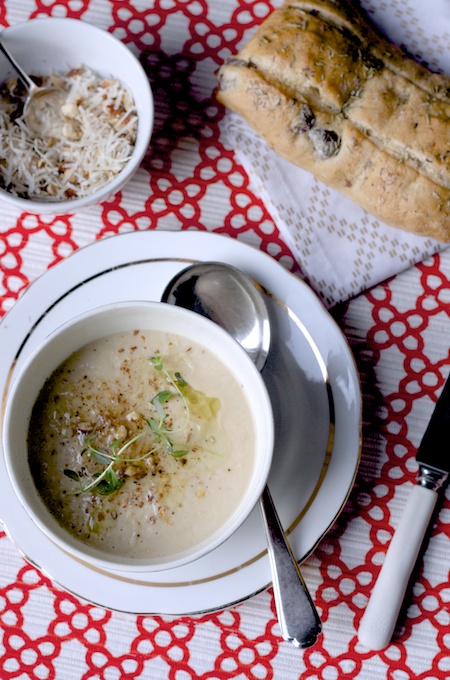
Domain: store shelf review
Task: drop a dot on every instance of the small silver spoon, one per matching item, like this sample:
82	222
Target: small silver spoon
229	297
42	109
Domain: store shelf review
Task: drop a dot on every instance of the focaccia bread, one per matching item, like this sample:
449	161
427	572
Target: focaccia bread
331	95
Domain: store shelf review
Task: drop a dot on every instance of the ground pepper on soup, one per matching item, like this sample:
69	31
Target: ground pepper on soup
142	443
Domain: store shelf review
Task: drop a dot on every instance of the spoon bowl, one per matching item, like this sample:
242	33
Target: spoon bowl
42	108
209	288
229	297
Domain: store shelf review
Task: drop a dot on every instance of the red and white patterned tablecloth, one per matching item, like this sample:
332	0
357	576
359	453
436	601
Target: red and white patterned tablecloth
399	333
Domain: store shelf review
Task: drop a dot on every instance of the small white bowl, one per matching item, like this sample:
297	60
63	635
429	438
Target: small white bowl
92	326
43	46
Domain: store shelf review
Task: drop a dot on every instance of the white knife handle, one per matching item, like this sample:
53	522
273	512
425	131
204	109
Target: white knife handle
380	617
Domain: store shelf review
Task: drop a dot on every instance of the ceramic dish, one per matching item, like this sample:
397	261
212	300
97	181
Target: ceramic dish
56	44
203	338
310	375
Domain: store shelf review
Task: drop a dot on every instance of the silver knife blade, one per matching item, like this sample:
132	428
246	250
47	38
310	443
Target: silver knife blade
431	452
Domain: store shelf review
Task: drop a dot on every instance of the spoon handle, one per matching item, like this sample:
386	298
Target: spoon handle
297	615
26	80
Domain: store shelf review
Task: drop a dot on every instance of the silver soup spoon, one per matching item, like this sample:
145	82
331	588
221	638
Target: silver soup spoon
42	109
228	297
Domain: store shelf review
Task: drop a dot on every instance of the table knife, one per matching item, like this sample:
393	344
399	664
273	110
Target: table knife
380	617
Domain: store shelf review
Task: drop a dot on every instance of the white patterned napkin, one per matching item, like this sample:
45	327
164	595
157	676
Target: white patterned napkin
340	248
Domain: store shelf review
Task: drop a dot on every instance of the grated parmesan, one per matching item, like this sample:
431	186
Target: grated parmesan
93	143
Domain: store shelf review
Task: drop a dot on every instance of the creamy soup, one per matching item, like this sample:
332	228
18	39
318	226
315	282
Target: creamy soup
142	443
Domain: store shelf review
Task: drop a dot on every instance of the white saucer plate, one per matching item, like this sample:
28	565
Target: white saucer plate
312	380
